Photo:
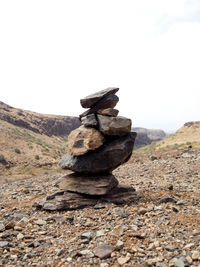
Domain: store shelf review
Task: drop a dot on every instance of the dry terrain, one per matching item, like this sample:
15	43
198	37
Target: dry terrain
162	228
24	151
188	135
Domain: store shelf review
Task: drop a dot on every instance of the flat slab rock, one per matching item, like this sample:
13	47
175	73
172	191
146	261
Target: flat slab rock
90	100
83	139
65	200
106	158
99	184
114	125
108	112
109	101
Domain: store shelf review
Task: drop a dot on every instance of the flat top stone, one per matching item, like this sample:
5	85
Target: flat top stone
90	100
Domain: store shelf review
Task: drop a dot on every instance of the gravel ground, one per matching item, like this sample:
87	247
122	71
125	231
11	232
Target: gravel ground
161	229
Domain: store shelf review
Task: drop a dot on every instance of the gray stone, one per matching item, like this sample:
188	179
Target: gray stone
109	101
153	157
119	245
114	152
114	125
90	100
177	262
167	200
87	235
40	222
170	248
99	184
89	120
100	233
103	251
3	244
86	252
181	202
83	139
2	227
186	155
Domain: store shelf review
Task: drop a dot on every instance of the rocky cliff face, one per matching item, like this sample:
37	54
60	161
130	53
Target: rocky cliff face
39	123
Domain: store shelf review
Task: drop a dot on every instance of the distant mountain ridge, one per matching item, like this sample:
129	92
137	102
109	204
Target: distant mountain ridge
147	136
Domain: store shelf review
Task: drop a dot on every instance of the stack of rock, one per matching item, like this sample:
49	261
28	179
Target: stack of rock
102	143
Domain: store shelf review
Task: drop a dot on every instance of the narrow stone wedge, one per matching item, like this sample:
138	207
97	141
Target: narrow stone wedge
90	100
109	101
108	112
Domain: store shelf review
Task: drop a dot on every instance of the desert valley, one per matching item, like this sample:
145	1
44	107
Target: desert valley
158	226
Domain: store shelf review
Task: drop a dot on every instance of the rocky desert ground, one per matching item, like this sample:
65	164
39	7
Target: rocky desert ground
160	228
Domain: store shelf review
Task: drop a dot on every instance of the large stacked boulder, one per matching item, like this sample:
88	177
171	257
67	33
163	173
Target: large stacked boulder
103	142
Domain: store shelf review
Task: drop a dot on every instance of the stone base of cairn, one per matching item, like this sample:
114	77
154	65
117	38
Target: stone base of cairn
103	142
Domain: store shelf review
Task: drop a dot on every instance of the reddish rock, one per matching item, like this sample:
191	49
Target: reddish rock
108	112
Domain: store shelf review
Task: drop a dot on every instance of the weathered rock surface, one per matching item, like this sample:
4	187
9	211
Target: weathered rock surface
83	139
99	184
114	125
65	200
108	112
106	158
109	101
90	100
89	120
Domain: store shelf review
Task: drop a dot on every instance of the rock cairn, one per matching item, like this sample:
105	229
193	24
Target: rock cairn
103	142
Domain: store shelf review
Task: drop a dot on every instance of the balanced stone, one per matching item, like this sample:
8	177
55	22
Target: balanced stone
109	101
108	112
89	120
99	184
83	139
114	125
95	149
114	152
90	100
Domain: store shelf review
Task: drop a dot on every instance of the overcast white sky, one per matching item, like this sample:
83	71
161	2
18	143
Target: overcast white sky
52	53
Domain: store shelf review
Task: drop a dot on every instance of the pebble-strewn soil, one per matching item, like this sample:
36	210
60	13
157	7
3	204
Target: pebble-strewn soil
162	229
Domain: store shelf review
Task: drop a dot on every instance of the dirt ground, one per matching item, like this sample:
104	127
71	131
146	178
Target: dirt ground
161	229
